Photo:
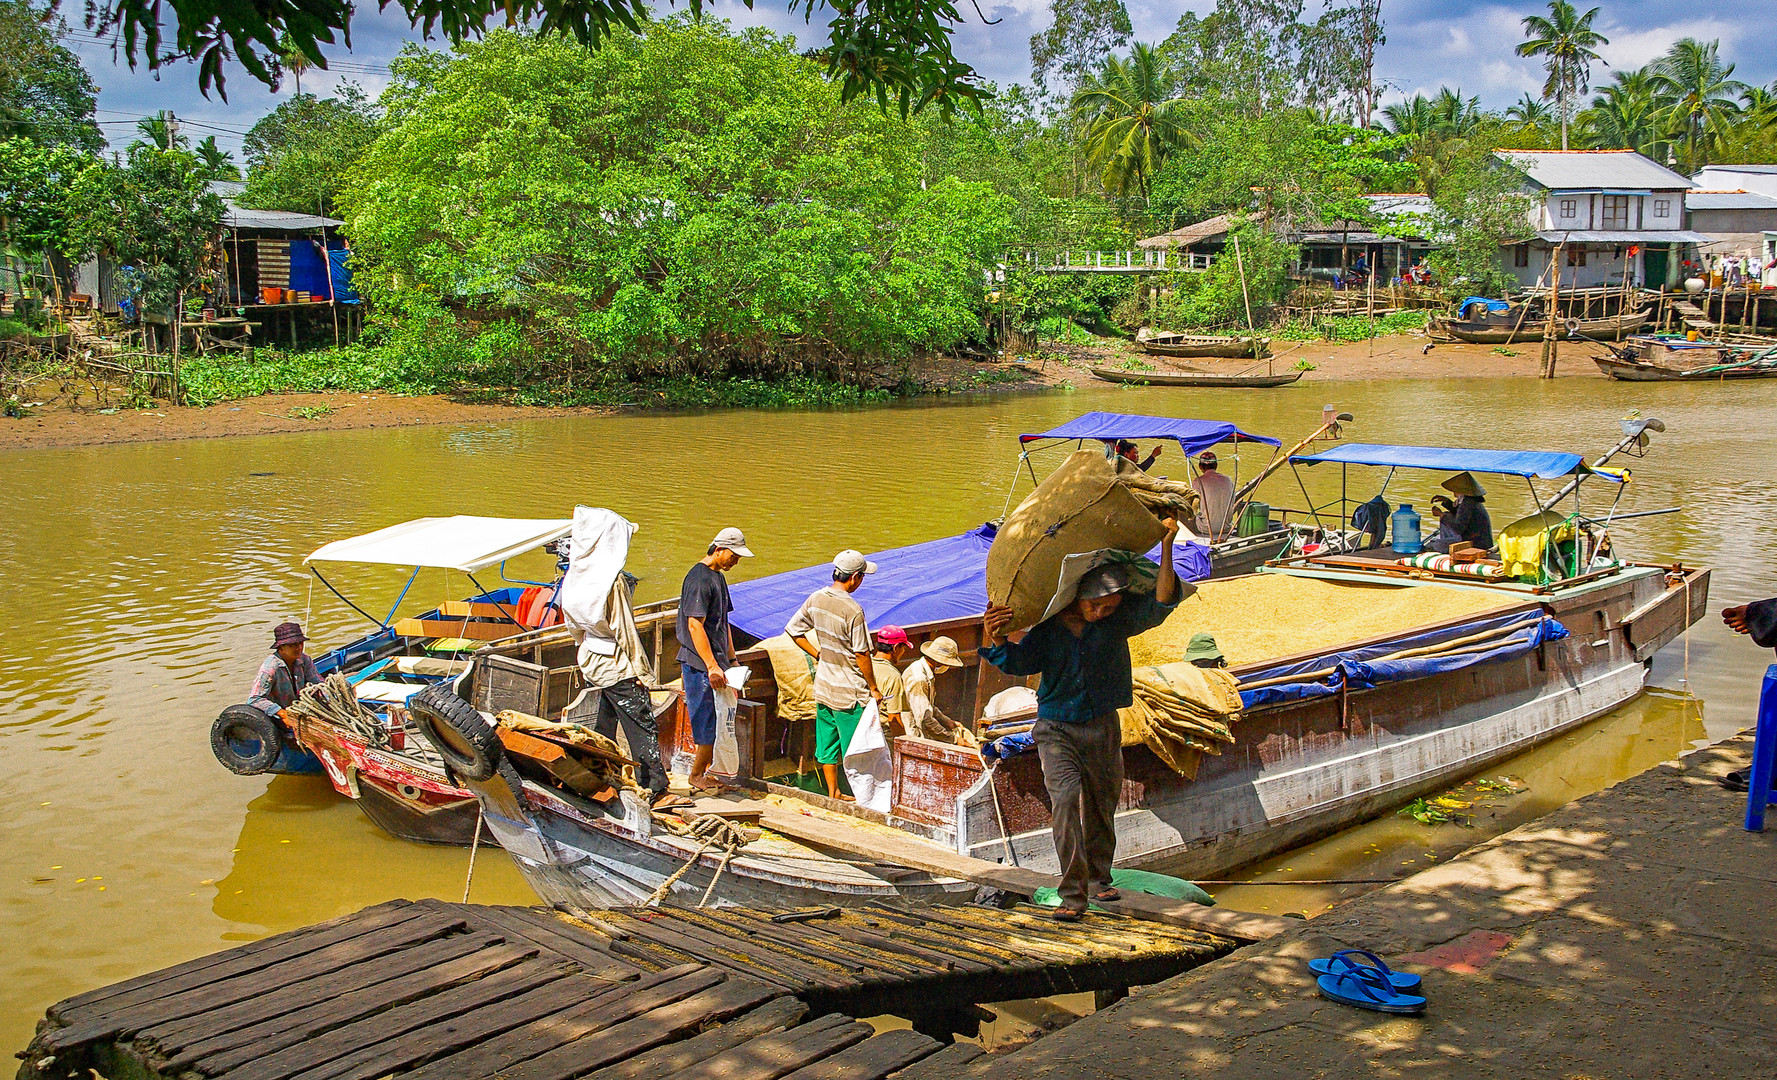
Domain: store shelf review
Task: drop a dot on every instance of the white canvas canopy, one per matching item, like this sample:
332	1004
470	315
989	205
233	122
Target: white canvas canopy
454	543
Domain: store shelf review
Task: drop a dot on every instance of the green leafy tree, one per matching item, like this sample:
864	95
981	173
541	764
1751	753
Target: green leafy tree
689	202
1131	119
1082	35
1478	208
1629	114
218	163
1568	45
1220	296
297	153
1701	95
35	181
46	96
153	212
1339	57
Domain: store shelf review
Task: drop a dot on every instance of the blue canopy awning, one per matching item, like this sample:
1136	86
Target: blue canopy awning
1192	436
913	586
1540	463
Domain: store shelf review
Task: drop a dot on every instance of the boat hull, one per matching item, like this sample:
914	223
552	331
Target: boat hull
1195	378
1612	329
1227	349
1311	768
1627	372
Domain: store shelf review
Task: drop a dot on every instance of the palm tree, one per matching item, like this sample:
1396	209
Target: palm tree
1131	119
1629	114
1454	116
1567	43
295	61
159	133
218	164
1529	112
1411	117
1758	107
1700	92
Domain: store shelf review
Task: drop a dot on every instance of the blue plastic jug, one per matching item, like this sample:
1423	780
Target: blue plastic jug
1404	525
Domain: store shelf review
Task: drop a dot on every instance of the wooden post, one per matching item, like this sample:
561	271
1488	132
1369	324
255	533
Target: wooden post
1552	350
1240	265
178	332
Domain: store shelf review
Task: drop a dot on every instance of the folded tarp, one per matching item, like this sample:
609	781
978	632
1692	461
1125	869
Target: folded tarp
1491	305
1192	436
1539	463
1363	669
913	586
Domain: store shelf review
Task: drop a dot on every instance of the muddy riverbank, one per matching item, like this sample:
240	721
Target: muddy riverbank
81	422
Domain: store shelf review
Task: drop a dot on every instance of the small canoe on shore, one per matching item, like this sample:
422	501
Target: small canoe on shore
1191	377
1614	328
1203	345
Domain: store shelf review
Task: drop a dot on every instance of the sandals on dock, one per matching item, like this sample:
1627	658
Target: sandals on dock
1374	986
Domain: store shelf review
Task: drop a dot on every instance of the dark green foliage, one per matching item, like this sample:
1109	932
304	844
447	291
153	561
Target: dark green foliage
35	183
46	96
153	212
1215	297
297	154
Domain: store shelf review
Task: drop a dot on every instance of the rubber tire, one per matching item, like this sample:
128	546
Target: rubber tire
239	723
438	707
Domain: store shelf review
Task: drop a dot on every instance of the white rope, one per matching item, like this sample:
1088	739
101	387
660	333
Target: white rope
713	831
474	846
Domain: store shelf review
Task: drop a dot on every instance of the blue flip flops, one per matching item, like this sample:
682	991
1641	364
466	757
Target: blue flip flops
1351	983
1400	980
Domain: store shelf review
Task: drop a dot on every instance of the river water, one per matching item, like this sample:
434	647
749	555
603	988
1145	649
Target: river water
142	581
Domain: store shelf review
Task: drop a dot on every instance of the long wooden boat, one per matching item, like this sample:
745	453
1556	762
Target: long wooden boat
1193	377
1204	345
1333	733
1669	359
1630	371
1613	328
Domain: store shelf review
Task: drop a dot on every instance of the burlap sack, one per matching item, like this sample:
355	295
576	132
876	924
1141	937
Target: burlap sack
1088	504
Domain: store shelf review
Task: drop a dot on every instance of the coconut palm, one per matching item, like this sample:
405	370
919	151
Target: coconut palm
1701	93
1567	43
217	163
157	132
1411	117
1629	114
1529	112
1454	116
1131	118
1758	107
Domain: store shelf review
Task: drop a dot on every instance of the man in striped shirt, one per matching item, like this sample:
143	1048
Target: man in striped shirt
829	626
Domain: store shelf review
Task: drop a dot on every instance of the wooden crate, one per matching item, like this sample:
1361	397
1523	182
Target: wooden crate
503	682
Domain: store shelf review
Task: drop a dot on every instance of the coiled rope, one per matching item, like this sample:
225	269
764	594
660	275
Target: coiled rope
333	701
712	831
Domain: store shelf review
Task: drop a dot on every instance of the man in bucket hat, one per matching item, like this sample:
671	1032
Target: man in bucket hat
1204	652
1082	654
284	673
706	644
920	679
829	626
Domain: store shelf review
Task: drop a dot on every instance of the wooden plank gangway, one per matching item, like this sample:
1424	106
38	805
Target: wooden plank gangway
442	991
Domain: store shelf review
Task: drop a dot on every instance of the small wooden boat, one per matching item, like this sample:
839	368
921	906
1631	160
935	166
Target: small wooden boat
1495	331
1203	345
1711	364
1193	377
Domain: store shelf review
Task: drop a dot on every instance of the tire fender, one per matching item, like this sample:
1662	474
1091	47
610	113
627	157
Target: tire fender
462	736
246	741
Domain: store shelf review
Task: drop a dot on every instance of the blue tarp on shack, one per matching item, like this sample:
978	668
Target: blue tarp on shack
1540	463
1192	436
913	585
342	276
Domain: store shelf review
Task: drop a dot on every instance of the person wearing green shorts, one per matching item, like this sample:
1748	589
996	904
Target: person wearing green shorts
830	627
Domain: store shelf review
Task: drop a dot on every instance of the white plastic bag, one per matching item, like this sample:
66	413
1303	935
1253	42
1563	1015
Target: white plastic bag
725	755
869	767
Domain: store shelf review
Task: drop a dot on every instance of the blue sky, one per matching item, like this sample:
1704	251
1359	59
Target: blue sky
1462	43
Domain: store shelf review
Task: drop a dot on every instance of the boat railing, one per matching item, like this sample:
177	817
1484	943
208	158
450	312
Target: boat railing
1137	261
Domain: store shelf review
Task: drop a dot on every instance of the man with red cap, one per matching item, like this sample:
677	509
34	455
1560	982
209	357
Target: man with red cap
889	649
285	672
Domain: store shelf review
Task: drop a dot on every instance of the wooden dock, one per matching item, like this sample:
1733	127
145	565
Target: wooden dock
443	991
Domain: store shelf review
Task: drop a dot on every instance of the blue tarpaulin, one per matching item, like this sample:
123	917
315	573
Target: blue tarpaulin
1362	669
1192	436
1541	463
1490	305
912	586
342	276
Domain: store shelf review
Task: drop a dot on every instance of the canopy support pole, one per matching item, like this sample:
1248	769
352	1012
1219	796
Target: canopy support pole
410	580
348	603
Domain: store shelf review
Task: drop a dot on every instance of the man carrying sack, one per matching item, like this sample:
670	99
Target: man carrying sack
1082	654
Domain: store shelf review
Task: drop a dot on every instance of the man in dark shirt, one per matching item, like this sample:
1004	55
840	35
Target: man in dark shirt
1464	521
706	644
1757	620
1082	654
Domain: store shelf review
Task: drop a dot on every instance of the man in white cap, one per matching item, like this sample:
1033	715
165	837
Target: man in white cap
920	681
706	644
844	678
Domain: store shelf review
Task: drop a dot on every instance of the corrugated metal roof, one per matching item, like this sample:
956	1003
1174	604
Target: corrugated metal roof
1757	170
1660	236
237	217
1728	200
1590	170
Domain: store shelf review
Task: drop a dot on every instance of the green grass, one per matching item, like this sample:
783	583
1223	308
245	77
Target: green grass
1065	331
1351	327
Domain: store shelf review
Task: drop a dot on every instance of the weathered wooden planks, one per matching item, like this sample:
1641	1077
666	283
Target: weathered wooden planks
437	991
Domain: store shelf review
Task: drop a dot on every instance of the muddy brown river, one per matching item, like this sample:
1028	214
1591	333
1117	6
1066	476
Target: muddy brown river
142	580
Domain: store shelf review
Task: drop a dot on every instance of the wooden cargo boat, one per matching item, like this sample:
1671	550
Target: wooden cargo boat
1203	345
1496	331
1674	359
1194	377
1334	731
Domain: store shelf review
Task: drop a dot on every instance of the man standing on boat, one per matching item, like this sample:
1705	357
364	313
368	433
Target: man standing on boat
1082	654
284	673
844	678
1215	495
706	644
